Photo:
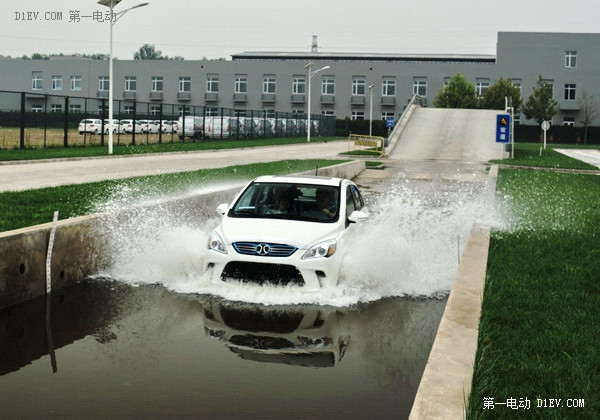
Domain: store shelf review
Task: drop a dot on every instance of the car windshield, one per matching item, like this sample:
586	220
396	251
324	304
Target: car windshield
315	203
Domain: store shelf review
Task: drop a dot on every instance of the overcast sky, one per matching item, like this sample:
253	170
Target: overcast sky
195	29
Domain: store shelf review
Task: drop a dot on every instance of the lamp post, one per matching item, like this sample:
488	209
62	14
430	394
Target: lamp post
311	73
370	110
114	17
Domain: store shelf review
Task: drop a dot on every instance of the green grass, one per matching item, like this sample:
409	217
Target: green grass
528	154
140	148
32	207
539	336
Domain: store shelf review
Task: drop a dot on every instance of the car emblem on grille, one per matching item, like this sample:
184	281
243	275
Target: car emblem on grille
263	249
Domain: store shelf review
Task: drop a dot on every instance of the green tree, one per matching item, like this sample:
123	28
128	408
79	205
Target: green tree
494	97
148	52
588	111
458	93
540	105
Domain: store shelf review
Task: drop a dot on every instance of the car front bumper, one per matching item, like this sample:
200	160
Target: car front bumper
316	272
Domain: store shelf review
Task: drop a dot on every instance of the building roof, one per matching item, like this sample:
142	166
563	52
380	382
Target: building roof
323	56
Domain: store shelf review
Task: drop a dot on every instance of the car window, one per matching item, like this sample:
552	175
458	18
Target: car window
288	200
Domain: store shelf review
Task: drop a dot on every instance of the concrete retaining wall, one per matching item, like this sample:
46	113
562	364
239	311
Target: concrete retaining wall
446	383
78	245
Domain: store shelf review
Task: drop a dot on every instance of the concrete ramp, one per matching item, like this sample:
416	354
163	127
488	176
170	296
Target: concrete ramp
463	135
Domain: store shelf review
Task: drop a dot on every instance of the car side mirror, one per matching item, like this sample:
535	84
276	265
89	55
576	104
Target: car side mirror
222	209
358	216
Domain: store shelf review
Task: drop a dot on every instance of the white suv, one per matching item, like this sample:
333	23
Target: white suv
285	229
92	126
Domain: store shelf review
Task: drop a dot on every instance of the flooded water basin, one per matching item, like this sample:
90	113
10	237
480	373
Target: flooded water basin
105	349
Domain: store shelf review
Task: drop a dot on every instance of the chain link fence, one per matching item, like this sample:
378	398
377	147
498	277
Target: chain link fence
36	120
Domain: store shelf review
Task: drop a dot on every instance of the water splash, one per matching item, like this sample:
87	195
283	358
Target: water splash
409	247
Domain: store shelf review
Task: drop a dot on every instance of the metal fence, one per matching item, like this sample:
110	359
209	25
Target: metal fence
36	120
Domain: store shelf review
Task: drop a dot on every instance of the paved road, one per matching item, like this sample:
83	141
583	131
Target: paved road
22	176
462	135
591	156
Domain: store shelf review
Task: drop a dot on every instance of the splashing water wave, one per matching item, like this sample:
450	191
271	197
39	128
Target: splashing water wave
409	247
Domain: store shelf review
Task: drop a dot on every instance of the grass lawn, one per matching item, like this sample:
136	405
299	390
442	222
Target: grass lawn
27	208
141	147
528	154
539	335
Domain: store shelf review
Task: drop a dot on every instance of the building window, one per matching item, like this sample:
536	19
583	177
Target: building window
241	84
298	111
570	92
212	84
387	114
518	84
446	81
299	85
130	83
75	83
56	108
36	81
569	121
103	83
358	86
551	84
154	110
185	84
268	113
57	83
358	115
328	86
571	59
212	112
128	109
388	87
327	112
157	84
36	108
269	84
420	86
75	108
481	85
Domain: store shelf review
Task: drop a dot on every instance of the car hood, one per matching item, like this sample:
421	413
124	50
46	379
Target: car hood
292	232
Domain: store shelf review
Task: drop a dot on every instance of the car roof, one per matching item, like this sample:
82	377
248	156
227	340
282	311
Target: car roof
300	179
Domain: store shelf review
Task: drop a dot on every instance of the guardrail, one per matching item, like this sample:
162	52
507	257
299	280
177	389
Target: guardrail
369	143
402	121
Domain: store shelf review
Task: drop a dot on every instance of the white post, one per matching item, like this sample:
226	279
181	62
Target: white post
309	67
310	74
113	19
110	85
370	110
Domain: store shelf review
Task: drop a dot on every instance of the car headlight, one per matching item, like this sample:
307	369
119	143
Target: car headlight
216	243
323	249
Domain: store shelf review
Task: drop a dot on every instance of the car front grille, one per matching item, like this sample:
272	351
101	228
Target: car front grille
264	249
261	273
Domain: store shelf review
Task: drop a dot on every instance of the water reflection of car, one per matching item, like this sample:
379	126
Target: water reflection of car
305	336
260	240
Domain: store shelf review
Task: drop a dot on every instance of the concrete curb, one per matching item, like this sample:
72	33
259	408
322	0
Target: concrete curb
446	382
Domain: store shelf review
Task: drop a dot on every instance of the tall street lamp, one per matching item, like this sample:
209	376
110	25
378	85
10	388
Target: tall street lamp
114	17
311	73
370	110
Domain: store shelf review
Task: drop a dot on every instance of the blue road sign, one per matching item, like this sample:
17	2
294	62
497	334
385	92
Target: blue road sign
503	128
389	122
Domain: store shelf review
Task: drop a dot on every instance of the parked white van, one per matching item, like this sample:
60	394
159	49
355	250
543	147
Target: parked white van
223	128
194	127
